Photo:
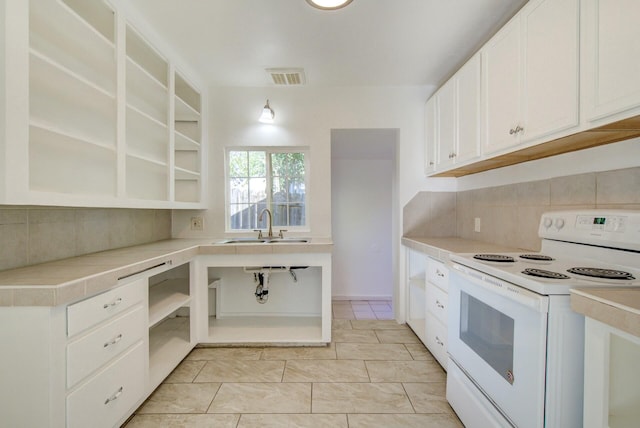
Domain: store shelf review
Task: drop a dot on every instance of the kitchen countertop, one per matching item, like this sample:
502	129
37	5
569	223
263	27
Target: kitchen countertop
440	248
64	281
616	306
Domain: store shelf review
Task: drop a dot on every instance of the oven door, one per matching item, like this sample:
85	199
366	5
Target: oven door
497	336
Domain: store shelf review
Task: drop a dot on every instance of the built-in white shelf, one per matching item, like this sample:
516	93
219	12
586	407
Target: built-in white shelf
265	329
146	93
417	281
185	174
166	297
185	112
183	142
146	178
169	342
65	36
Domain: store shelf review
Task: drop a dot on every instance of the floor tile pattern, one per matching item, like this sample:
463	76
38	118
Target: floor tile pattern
375	373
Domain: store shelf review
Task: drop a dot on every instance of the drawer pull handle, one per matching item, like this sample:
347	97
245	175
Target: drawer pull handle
440	274
112	304
114	396
439	342
440	305
113	341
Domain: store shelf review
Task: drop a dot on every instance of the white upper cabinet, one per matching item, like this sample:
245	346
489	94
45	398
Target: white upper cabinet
457	118
610	59
530	75
430	135
551	67
468	102
502	81
447	124
89	116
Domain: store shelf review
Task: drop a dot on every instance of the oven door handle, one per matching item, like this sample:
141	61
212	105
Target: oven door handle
510	291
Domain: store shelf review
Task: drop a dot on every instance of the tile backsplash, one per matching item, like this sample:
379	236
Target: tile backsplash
509	214
31	235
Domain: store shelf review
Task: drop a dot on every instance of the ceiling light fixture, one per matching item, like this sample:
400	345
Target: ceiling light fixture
329	4
267	114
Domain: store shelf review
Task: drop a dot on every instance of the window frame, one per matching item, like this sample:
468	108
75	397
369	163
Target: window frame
268	150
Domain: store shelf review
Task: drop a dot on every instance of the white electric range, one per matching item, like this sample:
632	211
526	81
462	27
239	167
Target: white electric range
515	345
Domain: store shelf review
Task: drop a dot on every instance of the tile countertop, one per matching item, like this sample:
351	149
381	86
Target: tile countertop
615	306
64	281
440	248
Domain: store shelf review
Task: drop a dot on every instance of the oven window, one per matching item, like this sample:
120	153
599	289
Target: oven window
489	333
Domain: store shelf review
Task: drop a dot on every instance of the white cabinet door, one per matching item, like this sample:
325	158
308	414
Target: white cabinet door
430	135
501	59
468	102
550	46
611	57
447	124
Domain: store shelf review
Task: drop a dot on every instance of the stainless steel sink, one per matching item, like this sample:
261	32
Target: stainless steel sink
264	241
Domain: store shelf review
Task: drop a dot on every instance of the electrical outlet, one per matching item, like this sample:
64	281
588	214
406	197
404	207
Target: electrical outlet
197	223
476	224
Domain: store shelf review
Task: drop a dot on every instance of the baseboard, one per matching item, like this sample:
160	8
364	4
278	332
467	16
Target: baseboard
360	297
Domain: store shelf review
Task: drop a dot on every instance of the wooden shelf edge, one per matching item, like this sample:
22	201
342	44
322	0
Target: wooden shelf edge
607	134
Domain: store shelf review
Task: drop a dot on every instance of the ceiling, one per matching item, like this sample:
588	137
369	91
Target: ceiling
368	43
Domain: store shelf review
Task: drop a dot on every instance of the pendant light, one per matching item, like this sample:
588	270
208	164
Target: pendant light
329	4
267	114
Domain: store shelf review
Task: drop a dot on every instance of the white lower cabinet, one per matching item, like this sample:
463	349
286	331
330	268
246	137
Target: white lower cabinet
436	337
108	397
436	314
611	377
416	302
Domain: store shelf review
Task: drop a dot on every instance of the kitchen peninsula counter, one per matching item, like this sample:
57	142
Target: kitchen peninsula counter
64	281
615	306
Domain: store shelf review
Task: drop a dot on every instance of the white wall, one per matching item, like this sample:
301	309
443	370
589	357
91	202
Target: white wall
362	228
305	117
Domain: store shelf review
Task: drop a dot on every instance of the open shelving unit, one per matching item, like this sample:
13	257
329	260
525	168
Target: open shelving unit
72	97
187	141
97	116
170	304
147	131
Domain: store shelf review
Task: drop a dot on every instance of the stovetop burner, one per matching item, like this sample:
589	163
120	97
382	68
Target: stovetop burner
602	273
537	257
494	258
541	273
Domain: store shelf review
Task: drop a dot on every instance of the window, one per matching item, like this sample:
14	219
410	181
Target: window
266	178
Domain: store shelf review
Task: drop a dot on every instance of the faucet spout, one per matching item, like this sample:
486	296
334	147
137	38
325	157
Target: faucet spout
270	234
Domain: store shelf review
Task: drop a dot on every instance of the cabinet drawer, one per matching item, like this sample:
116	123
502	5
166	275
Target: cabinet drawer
438	274
108	397
90	312
436	333
88	353
437	301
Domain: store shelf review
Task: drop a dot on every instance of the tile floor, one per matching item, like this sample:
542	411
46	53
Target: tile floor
375	373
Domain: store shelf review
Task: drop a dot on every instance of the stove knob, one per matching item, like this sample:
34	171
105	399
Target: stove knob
547	222
559	223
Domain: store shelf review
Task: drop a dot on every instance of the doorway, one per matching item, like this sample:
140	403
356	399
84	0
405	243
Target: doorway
363	177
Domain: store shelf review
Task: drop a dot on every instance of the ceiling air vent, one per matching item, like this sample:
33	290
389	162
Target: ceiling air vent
287	76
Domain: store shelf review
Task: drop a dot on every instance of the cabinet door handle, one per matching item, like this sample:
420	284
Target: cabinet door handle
113	341
112	304
115	396
440	305
431	163
515	130
439	342
440	274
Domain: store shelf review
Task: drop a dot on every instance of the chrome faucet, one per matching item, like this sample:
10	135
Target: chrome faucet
270	234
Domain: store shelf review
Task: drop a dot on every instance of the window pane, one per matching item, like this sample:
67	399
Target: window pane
257	164
288	214
257	190
238	190
238	166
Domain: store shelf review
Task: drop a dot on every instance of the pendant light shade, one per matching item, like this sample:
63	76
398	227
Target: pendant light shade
329	4
267	114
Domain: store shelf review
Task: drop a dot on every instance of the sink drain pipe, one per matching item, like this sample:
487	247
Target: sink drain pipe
261	278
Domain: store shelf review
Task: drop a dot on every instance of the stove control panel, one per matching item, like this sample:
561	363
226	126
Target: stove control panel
606	228
611	223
